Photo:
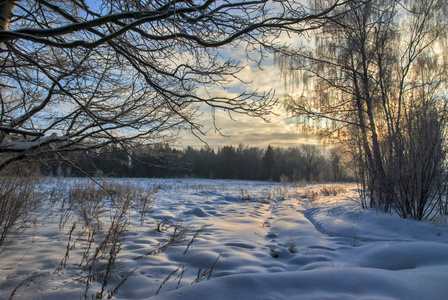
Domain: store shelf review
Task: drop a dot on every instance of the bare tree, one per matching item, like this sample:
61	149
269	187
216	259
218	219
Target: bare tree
80	75
312	158
373	70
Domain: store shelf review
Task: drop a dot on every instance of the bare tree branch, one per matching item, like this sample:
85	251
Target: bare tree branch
76	75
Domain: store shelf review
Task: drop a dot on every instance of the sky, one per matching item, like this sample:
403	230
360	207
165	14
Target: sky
241	129
245	130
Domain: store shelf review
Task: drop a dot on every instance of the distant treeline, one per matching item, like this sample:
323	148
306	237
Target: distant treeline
304	163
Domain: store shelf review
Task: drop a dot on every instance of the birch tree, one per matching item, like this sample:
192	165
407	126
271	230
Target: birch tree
379	73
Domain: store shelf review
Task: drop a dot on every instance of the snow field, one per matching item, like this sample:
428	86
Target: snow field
260	241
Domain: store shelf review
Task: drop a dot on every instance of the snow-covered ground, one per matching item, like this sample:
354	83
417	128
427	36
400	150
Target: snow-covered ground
260	241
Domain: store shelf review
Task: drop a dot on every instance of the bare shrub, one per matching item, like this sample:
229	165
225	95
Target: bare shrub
292	246
88	200
84	201
102	263
266	196
102	217
282	192
144	200
311	195
96	217
332	190
419	169
18	203
245	195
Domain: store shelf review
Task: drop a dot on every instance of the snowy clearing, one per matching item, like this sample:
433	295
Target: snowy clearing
242	240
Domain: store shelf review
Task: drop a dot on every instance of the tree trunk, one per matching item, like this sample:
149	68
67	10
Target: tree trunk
6	12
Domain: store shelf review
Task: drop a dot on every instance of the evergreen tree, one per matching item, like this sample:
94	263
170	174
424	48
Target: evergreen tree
269	160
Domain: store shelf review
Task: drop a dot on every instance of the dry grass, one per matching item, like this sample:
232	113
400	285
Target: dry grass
207	273
18	206
100	216
292	246
245	195
95	217
180	271
311	195
332	190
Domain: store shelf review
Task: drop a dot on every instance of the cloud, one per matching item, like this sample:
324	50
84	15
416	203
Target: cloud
249	131
241	129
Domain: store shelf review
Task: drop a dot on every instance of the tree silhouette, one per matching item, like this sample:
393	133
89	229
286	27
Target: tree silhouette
379	72
269	160
78	75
